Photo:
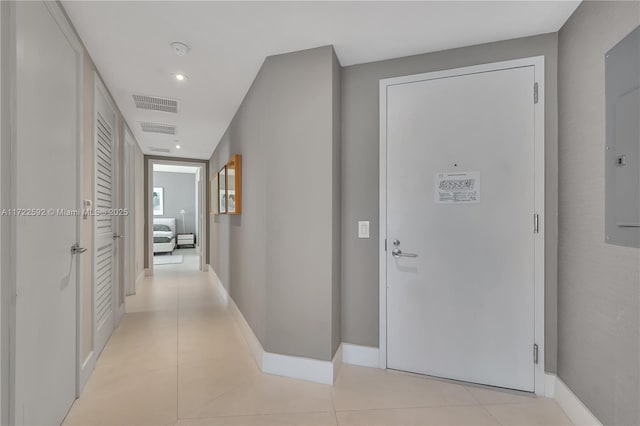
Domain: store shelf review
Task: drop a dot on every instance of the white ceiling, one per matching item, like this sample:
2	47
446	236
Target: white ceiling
129	43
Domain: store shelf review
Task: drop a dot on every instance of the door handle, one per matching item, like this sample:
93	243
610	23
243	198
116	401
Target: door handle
76	249
115	236
397	253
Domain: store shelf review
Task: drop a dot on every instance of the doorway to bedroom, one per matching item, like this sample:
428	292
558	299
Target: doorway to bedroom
177	199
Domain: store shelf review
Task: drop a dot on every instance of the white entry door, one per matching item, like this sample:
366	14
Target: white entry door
105	272
460	197
46	170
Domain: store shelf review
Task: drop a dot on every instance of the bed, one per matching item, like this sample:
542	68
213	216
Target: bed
164	234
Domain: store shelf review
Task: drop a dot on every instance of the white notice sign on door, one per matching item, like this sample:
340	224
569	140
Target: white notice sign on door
457	187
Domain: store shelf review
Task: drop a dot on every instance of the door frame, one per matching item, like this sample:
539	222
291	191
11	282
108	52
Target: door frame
4	135
118	311
202	207
129	220
9	170
537	63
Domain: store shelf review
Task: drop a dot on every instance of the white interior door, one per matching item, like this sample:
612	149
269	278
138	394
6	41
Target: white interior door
105	272
46	169
460	195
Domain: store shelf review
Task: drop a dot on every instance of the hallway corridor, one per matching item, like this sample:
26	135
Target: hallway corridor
178	358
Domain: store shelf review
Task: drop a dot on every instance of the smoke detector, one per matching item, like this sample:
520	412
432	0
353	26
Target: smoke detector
180	48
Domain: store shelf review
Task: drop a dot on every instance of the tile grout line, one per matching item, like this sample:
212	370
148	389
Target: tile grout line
472	395
410	407
279	413
333	403
239	385
491	415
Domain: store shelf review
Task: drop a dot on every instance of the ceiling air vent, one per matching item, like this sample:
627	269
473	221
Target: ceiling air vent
164	129
153	103
165	150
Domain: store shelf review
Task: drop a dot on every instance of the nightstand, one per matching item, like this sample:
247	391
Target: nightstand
186	240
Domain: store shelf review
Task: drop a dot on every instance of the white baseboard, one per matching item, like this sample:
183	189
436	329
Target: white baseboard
281	365
577	412
296	367
337	362
549	385
365	356
217	282
120	311
252	341
139	278
132	292
85	372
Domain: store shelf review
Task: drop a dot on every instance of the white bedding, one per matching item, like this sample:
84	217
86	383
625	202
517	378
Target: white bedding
164	247
168	234
171	245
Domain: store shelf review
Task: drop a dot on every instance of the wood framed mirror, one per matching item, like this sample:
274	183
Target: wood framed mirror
214	201
234	185
222	190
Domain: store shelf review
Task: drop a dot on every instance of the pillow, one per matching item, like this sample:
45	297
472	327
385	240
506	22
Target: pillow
158	227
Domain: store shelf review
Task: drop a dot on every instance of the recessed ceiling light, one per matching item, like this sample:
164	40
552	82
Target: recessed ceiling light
177	146
180	48
180	77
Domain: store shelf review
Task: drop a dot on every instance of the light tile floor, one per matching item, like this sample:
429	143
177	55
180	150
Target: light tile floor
190	262
177	358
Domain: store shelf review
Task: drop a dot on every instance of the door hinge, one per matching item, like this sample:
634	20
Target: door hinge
536	223
385	244
535	93
535	353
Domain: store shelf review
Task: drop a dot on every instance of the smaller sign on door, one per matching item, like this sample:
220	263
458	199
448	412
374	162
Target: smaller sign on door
457	187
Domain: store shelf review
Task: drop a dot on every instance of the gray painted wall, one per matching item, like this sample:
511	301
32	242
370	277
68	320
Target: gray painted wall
278	258
360	142
336	175
598	296
179	193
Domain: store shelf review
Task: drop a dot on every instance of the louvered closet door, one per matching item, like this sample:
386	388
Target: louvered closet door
105	259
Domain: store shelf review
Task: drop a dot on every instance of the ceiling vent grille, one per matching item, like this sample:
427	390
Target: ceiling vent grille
164	129
154	149
153	103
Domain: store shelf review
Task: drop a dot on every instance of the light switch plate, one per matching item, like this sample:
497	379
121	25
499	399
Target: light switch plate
363	229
